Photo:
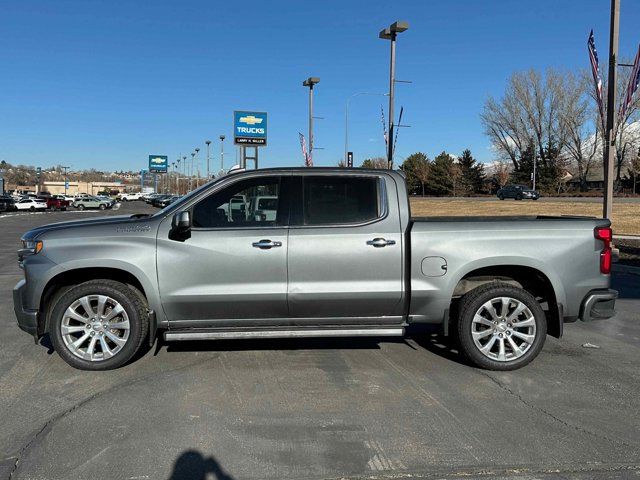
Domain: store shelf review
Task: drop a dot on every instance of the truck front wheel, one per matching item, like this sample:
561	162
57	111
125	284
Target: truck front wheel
98	325
500	327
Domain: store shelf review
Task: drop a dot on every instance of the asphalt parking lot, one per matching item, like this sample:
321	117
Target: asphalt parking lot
339	408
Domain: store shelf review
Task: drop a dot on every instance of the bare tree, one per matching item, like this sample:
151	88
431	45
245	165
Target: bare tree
583	128
530	112
502	173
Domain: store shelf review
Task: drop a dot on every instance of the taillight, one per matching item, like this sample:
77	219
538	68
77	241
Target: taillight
606	235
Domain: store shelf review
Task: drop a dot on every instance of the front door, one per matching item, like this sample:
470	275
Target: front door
234	265
345	249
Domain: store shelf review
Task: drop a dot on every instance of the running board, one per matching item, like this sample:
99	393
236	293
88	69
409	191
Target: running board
297	333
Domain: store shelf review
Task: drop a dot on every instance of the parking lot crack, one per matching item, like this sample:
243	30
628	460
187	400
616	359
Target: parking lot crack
49	423
552	416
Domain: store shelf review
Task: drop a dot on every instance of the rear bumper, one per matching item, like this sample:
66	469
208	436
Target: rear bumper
27	319
598	305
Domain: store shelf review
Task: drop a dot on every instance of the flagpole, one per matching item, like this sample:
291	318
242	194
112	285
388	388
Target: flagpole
610	141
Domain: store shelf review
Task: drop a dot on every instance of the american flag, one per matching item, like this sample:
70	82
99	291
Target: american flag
307	158
384	127
631	88
593	56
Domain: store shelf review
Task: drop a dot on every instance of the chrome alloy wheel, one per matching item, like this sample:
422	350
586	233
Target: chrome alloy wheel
95	327
503	329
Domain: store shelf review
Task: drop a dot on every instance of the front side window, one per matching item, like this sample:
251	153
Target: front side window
248	203
332	200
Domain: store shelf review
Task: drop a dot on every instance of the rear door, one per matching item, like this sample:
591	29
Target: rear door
345	249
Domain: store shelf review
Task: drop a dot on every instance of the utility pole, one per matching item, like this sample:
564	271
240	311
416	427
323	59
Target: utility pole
391	33
310	82
222	137
610	139
208	142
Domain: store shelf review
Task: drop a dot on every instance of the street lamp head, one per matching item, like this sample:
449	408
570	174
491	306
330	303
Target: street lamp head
222	137
311	81
399	26
208	142
385	34
197	150
184	158
193	154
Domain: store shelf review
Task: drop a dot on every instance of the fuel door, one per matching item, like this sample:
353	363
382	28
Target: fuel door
434	266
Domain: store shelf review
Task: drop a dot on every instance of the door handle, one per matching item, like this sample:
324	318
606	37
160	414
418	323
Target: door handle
380	242
266	244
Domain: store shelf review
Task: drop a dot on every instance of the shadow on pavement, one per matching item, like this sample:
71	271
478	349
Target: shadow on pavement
355	343
627	284
192	465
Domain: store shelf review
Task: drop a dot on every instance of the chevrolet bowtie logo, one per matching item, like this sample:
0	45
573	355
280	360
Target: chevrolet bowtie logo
250	120
157	160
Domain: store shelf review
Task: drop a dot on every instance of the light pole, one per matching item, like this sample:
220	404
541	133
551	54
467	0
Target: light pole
222	137
391	33
208	142
66	180
346	119
310	82
610	141
197	167
193	154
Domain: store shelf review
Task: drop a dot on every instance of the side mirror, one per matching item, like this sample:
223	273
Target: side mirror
180	226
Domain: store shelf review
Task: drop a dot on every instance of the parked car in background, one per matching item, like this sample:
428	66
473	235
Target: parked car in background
130	197
167	201
7	203
68	198
264	208
519	192
156	200
31	204
149	198
55	203
111	201
91	202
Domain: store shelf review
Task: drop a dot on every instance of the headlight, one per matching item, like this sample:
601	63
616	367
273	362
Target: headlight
33	246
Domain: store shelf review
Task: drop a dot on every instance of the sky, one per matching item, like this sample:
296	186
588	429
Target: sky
104	84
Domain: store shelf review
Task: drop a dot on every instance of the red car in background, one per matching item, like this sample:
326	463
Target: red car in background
55	203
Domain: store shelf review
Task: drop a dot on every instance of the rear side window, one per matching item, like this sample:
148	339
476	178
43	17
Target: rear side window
340	200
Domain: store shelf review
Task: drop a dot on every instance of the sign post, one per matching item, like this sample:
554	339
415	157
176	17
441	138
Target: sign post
158	164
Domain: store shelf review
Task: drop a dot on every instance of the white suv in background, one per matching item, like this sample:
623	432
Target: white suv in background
129	197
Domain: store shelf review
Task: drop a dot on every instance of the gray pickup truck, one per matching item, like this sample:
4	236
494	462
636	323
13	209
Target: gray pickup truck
334	253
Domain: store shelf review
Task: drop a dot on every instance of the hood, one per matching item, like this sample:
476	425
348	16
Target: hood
89	222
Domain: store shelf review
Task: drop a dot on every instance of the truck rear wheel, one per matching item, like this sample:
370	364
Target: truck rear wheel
500	327
98	325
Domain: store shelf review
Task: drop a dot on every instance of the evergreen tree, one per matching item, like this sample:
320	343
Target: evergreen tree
472	173
416	168
440	181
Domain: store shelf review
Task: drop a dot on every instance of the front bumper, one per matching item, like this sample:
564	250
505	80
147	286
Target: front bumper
27	319
598	305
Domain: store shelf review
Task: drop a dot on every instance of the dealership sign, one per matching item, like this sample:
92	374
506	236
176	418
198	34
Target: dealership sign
250	128
158	163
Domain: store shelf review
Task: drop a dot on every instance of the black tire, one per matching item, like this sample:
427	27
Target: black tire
64	209
133	304
32	208
518	197
102	206
534	198
500	197
81	207
473	301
